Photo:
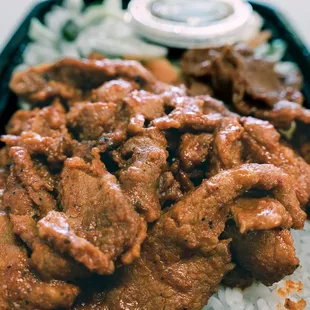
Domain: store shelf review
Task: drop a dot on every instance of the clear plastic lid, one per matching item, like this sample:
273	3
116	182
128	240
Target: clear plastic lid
190	23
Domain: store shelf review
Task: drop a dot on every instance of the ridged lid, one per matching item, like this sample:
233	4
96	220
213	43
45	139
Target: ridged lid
190	23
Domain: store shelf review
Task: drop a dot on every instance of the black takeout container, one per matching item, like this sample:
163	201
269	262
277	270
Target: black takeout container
12	53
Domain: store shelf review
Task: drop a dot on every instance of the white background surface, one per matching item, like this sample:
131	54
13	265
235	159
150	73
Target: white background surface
13	11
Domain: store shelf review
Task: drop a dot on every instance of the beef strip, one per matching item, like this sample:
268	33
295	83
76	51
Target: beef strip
56	149
143	106
249	83
44	132
227	146
109	123
168	189
269	255
114	91
282	115
238	277
3	180
48	263
45	122
29	186
144	161
259	214
262	145
201	113
98	224
182	177
173	282
69	78
198	87
5	160
194	150
91	120
183	261
20	288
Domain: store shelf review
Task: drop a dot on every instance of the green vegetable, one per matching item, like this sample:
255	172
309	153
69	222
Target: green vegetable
288	134
70	30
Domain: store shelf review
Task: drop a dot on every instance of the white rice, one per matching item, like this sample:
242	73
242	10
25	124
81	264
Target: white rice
260	297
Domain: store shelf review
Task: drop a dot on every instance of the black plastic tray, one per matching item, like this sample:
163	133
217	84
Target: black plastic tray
12	53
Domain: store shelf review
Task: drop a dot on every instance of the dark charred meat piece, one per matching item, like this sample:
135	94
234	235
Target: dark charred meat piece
305	152
241	74
251	84
29	186
98	224
194	150
227	146
259	214
145	159
238	277
68	78
263	146
20	288
268	255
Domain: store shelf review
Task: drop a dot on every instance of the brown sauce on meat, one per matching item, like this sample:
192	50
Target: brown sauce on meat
118	191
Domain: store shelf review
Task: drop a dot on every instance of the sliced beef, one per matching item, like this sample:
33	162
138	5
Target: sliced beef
238	277
183	261
98	224
144	161
3	180
259	214
262	145
20	288
267	255
45	261
227	146
69	78
114	91
201	113
29	186
44	132
91	120
168	189
168	280
194	150
46	122
250	83
282	115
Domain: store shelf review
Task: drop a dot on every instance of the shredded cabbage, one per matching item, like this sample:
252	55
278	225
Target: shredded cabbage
101	28
40	33
74	5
